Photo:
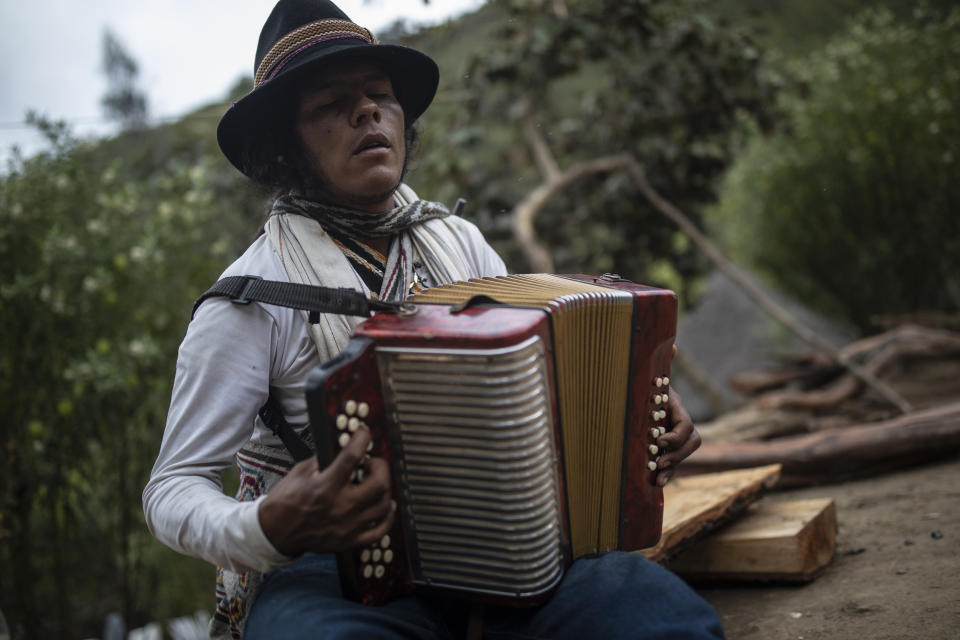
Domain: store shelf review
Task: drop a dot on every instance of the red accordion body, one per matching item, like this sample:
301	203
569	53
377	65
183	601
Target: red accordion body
519	417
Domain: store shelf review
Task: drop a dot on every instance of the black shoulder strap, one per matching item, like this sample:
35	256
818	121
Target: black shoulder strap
306	297
315	300
272	416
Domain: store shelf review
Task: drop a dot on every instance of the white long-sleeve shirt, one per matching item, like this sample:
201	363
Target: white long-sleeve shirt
230	359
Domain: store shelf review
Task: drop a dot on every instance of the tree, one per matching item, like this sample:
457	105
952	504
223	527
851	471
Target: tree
565	84
99	273
123	101
853	208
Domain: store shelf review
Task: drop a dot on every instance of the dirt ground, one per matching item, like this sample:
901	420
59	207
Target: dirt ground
896	573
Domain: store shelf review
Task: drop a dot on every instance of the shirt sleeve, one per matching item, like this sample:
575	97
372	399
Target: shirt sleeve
222	379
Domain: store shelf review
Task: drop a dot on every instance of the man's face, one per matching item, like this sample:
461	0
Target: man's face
350	126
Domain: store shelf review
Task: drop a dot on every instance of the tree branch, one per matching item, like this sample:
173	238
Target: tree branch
526	211
760	298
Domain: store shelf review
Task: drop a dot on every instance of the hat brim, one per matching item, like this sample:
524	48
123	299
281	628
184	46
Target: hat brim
415	77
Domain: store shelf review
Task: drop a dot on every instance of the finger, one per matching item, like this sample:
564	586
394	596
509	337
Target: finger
305	467
371	535
681	424
664	477
372	515
351	455
676	456
374	488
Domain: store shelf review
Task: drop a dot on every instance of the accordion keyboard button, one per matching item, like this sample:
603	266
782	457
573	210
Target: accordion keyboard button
385	541
363	410
367	570
379	571
353	424
377	554
666	381
652	465
388	556
365	556
654	449
655	432
350	407
341	421
343	440
658	382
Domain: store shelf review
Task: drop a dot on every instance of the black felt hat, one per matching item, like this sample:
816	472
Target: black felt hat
311	34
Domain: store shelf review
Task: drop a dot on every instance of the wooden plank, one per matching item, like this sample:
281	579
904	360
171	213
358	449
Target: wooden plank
774	541
695	505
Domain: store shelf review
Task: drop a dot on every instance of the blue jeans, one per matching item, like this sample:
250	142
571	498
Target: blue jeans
612	595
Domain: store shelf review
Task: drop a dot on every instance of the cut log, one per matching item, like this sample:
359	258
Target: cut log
696	505
844	453
773	541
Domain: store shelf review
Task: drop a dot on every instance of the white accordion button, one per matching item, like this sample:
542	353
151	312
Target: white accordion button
657	399
370	446
342	421
666	398
367	570
666	381
350	407
655	432
655	414
359	474
663	414
343	440
654	449
662	430
385	541
388	556
380	571
365	556
363	409
377	554
652	465
353	424
659	382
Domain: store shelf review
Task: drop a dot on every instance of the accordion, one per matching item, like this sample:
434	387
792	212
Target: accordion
519	415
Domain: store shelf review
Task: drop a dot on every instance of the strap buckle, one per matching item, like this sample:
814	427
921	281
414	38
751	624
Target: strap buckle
244	290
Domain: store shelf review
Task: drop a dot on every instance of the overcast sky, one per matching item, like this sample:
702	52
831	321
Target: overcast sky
189	51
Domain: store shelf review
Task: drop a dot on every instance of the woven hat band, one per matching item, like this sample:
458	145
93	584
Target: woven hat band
302	38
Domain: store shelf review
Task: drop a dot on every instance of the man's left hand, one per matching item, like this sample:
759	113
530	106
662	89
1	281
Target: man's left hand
679	442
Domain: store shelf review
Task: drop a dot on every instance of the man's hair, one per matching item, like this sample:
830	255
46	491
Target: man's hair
274	158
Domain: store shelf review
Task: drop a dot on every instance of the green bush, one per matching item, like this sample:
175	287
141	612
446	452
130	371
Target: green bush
99	272
854	208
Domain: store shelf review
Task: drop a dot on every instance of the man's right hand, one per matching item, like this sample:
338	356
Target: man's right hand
322	510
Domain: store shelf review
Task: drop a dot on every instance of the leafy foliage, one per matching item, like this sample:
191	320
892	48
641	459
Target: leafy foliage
655	79
99	272
854	209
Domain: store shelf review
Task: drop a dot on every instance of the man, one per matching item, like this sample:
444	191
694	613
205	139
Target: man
329	123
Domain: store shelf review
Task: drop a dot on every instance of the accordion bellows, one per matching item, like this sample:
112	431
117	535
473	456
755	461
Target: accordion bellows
516	414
